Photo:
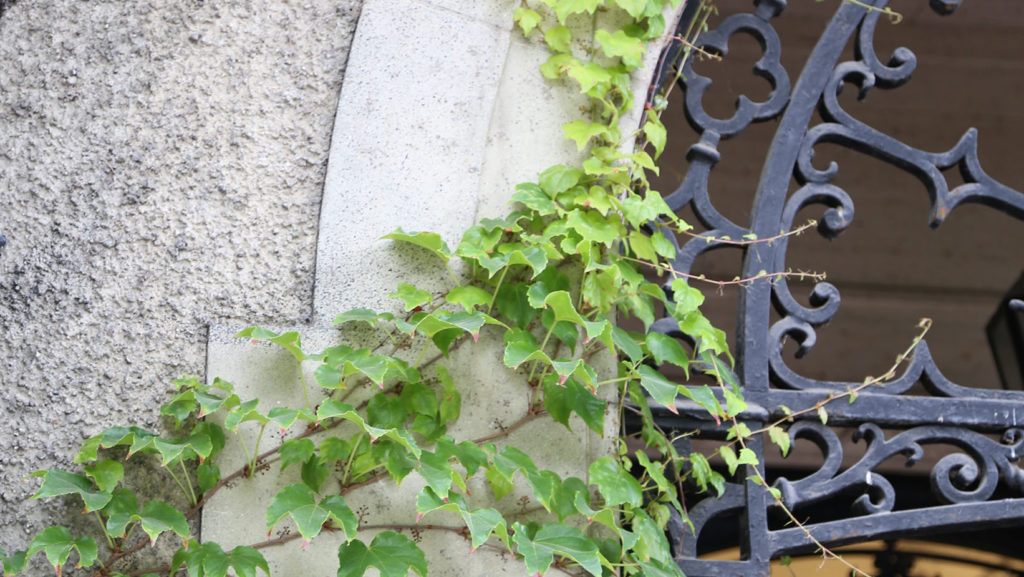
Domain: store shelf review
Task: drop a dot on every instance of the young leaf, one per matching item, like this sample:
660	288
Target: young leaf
392	553
538	549
656	134
13	563
635	8
289	341
411	296
615	483
558	39
358	315
780	438
428	240
619	44
527	19
581	132
566	8
558	179
666	349
534	198
661	389
468	297
500	483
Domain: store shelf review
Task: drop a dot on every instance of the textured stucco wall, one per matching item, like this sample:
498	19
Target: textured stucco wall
161	169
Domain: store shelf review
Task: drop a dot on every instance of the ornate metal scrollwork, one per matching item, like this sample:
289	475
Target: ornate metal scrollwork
975	467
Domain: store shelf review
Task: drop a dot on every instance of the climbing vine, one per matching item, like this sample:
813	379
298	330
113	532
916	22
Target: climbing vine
547	281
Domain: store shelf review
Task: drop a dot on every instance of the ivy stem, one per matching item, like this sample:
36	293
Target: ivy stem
451	273
255	450
99	520
305	391
497	287
348	462
181	485
188	484
245	449
543	344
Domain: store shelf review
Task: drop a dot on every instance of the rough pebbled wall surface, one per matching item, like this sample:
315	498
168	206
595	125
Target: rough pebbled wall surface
161	169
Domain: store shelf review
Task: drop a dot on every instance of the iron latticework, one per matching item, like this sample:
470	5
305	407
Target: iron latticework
979	483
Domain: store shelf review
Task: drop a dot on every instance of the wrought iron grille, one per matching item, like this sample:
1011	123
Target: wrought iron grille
888	420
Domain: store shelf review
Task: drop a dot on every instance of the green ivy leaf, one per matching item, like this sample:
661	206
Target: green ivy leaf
478	242
539	548
619	44
244	560
285	417
106	474
295	451
593	227
360	315
207	475
780	437
13	563
561	400
57	482
589	76
428	240
247	411
635	8
651	542
704	475
733	461
734	402
527	19
558	179
120	511
57	544
582	132
332	409
289	341
392	553
615	483
500	483
412	297
558	39
468	297
565	8
157	517
512	302
666	349
397	460
451	399
482	523
661	389
625	342
299	502
532	197
386	411
663	246
209	560
520	347
656	134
